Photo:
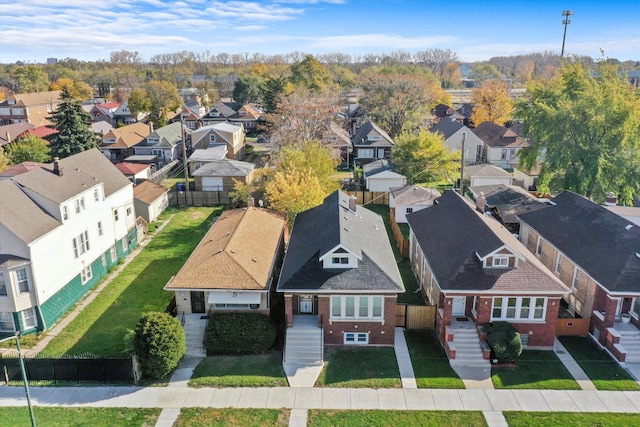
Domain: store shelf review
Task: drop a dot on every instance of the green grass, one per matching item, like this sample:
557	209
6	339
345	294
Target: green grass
430	363
262	370
374	367
72	417
537	369
210	417
404	265
604	372
325	418
102	325
570	419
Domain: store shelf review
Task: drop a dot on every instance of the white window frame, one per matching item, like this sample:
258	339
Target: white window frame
575	280
500	261
539	247
116	216
29	318
79	204
6	319
96	195
356	338
22	283
558	264
103	259
81	244
503	154
365	153
4	291
113	253
512	153
353	312
65	212
86	274
100	231
129	210
336	260
635	307
535	313
409	210
212	137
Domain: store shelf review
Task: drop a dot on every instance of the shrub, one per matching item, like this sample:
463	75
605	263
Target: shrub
235	333
504	340
159	343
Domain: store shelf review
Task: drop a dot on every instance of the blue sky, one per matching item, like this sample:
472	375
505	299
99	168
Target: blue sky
33	30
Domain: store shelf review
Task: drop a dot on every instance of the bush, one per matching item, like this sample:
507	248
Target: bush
504	340
159	343
236	333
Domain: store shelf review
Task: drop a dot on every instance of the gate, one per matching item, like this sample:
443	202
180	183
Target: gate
416	316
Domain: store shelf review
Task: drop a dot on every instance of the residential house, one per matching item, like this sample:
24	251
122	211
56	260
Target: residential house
62	226
454	132
630	213
444	112
526	179
501	144
465	110
20	168
486	174
191	114
165	143
337	139
9	133
371	143
150	200
124	116
221	133
104	112
380	175
409	199
34	108
249	116
475	271
203	156
101	128
233	267
135	172
220	112
192	94
119	143
596	253
219	175
43	132
339	278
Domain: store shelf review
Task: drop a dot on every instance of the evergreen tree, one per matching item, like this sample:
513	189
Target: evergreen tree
73	126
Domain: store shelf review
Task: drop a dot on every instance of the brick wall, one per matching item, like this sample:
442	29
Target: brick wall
603	303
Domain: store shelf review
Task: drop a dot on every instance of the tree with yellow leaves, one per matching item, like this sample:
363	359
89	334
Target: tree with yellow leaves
491	103
79	91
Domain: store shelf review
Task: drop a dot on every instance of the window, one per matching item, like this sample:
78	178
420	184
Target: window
360	307
365	153
356	338
65	212
23	281
232	305
6	322
539	246
558	268
113	254
212	137
409	210
29	318
96	195
512	153
576	279
518	308
86	274
339	260
3	285
115	215
81	244
129	210
99	228
79	204
635	307
503	156
103	258
500	261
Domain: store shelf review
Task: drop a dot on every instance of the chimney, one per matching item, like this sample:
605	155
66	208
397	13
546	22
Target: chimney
611	199
250	202
352	204
56	166
150	127
481	202
8	138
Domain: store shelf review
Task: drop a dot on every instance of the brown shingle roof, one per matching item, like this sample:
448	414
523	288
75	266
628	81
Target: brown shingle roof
238	252
127	136
148	191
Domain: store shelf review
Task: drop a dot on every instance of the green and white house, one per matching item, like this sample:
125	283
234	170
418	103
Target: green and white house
62	227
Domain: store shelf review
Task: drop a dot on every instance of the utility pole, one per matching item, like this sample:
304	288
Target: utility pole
184	154
24	375
566	21
464	136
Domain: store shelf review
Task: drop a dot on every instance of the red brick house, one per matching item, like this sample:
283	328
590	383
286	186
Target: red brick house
339	278
596	253
475	271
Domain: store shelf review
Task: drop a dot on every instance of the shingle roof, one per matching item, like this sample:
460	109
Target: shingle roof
414	195
377	166
446	127
80	172
216	152
453	237
603	244
127	136
13	130
367	128
131	168
508	200
225	167
148	191
36	98
236	253
485	170
169	135
498	136
319	230
21	168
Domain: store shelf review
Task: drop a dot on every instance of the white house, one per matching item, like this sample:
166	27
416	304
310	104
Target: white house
453	132
380	176
480	175
409	199
164	143
61	227
150	200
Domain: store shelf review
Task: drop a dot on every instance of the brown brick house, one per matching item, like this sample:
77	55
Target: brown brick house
596	253
475	271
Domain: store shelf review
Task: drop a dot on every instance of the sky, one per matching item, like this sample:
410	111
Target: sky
34	30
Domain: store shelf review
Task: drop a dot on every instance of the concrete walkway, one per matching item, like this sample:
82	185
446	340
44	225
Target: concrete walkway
572	366
404	361
180	378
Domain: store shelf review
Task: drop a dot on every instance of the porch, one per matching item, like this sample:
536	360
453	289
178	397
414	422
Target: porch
303	355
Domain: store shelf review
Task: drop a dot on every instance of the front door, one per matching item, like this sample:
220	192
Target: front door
197	302
458	308
306	304
619	308
381	153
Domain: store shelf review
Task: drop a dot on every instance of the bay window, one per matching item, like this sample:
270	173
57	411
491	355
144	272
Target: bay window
518	308
362	307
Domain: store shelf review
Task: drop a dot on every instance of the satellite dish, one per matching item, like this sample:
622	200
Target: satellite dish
261	202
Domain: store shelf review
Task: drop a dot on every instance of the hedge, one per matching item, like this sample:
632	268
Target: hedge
236	333
159	343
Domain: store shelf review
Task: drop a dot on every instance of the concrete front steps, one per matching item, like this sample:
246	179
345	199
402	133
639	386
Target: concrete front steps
466	344
194	328
630	341
303	347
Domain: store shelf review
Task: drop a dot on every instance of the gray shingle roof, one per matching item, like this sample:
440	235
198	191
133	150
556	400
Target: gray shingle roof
225	167
377	166
453	236
414	195
447	127
602	243
319	230
369	128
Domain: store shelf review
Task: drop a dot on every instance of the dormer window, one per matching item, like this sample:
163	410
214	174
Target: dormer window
339	260
500	261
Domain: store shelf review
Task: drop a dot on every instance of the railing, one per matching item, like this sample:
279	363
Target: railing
284	342
181	317
141	222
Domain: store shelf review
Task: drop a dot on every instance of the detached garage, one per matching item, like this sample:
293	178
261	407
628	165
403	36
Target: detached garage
380	176
218	175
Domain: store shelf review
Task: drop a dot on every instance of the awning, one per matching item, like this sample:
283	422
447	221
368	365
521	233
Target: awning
228	297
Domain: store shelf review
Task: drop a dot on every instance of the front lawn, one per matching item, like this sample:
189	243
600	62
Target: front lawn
261	370
79	417
210	417
430	363
604	372
373	367
102	325
537	369
570	419
325	418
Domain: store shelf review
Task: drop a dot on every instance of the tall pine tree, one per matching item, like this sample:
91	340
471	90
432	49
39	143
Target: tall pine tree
73	126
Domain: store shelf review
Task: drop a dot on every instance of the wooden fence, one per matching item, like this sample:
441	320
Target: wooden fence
401	242
373	197
416	316
572	327
199	198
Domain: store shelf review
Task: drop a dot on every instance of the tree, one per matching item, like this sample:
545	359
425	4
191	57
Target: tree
78	90
74	129
32	79
5	161
504	340
491	102
274	88
423	157
303	177
482	72
311	74
585	128
29	148
241	191
159	343
436	59
248	89
156	97
139	102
